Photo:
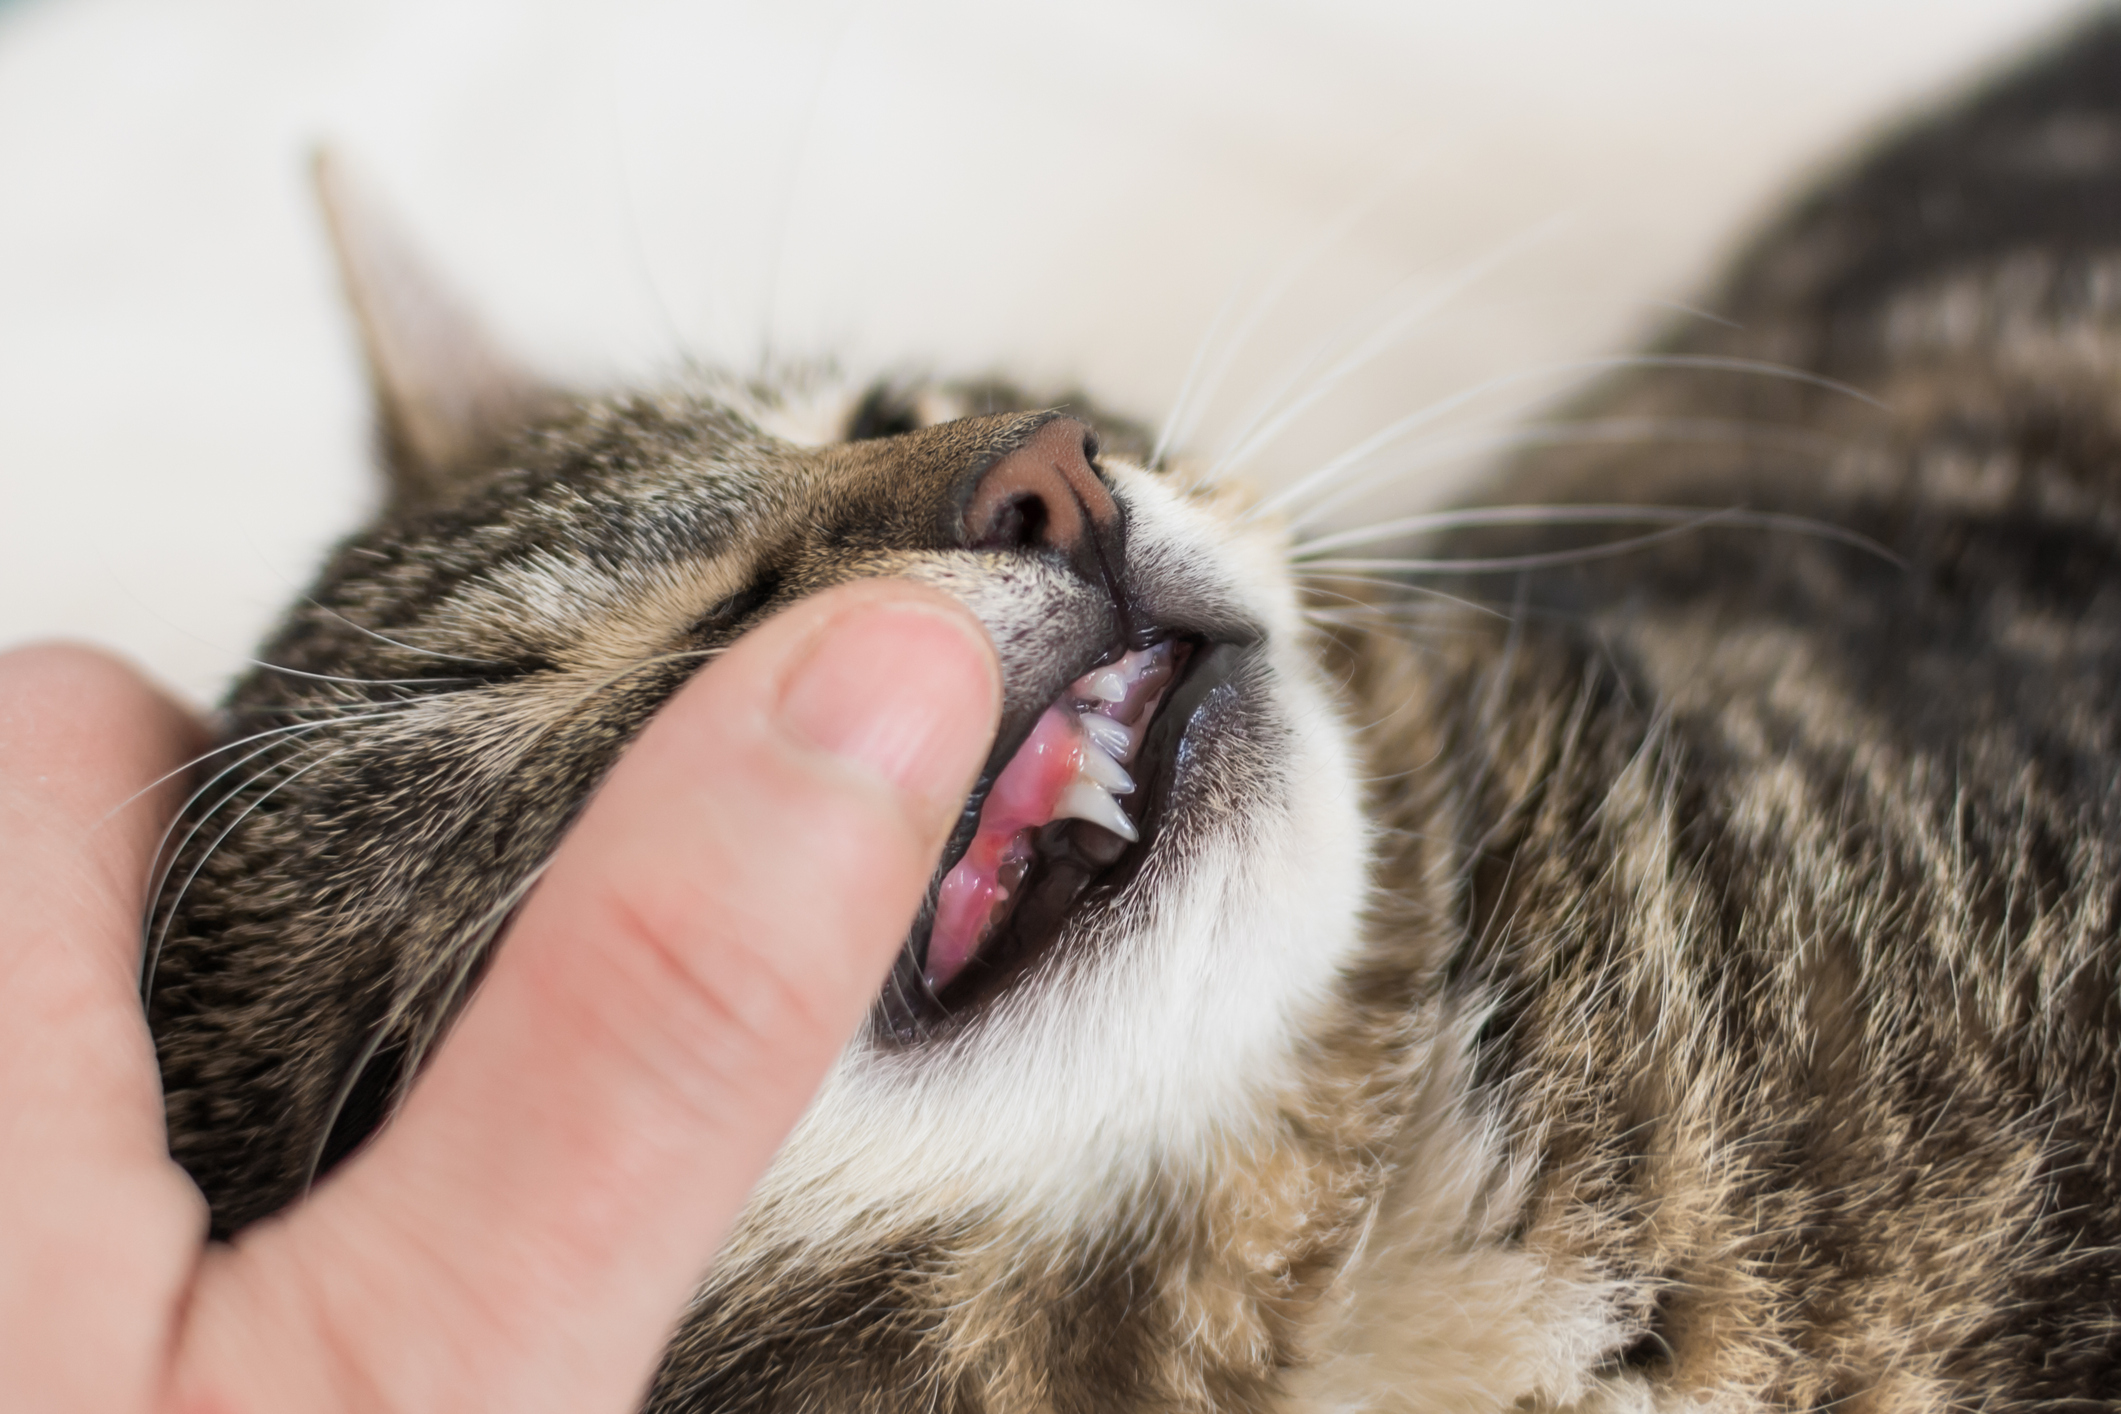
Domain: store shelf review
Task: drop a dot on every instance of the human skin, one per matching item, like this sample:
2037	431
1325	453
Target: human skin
524	1234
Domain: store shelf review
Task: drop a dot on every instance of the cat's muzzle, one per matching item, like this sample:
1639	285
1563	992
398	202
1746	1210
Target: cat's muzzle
1065	813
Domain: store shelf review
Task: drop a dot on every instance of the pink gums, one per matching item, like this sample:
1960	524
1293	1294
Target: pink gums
977	890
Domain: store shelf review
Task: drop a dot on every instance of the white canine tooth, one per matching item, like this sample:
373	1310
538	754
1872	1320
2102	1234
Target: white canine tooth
1107	685
1112	737
1104	770
1087	800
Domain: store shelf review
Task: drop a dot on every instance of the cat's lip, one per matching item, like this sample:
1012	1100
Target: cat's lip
1073	856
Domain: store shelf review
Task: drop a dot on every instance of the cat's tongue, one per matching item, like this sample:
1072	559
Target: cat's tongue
1025	795
1069	767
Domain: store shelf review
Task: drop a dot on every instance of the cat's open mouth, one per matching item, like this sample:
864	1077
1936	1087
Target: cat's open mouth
1073	767
1073	808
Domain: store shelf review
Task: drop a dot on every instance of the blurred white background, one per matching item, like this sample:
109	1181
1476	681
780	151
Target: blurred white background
1065	192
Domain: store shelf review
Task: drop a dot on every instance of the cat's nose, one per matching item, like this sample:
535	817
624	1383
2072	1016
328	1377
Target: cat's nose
1045	493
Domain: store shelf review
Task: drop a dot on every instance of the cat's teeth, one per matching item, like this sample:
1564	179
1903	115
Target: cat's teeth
1106	685
1085	799
1111	737
1101	768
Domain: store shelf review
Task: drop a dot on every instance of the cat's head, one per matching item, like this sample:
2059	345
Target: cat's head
1141	918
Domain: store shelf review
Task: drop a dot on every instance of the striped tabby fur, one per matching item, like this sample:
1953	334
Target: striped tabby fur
1687	976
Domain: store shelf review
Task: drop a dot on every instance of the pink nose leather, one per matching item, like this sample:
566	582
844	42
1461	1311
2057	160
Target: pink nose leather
1043	493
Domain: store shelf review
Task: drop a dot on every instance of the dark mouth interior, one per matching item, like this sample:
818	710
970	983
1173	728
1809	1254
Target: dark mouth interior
1038	850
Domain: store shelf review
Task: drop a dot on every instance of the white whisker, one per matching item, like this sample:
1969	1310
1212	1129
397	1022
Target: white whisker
355	704
1399	430
154	957
1197	392
201	759
164	858
1386	582
1647	431
1263	429
1695	311
1504	563
356	682
409	648
1684	516
1353	609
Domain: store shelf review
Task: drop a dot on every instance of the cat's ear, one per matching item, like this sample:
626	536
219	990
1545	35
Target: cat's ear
445	392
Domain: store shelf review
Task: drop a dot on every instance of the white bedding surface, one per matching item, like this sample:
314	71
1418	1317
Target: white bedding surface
959	186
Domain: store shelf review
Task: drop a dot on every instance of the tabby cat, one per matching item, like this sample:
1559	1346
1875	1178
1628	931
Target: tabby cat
1653	941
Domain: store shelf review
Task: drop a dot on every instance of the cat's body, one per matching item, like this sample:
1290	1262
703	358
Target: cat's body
1692	973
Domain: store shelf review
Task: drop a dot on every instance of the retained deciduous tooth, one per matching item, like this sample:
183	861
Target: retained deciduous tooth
1112	737
1104	770
1107	685
1087	800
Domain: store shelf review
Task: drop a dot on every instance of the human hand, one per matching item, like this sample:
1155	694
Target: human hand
524	1234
